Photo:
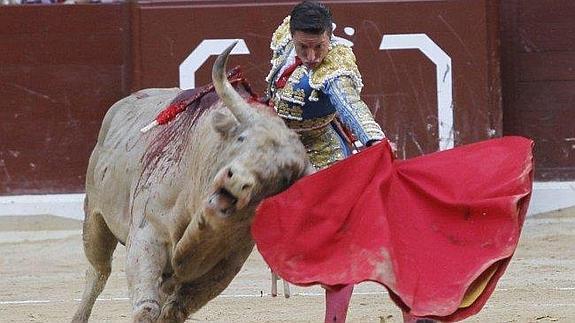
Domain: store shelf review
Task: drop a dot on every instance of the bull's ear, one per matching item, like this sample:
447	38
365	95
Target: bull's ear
224	123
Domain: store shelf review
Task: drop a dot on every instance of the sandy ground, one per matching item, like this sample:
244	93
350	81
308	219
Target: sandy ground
42	267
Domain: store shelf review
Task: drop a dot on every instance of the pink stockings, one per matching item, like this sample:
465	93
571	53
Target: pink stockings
336	302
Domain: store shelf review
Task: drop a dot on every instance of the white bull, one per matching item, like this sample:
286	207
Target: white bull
181	197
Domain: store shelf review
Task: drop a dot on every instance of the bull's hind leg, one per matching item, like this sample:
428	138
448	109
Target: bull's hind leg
99	245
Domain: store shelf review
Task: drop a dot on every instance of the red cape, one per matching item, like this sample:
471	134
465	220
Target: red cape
427	228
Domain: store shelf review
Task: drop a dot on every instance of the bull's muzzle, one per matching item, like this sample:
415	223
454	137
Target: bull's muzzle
232	190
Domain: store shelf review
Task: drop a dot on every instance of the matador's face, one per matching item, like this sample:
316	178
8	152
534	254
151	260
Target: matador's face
311	48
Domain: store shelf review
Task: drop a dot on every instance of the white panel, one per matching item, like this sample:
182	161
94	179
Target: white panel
200	55
443	66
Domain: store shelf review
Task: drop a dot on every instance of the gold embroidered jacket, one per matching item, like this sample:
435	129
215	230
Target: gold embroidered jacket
312	98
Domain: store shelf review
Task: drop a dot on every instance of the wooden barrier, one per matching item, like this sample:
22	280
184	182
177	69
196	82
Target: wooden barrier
62	66
430	69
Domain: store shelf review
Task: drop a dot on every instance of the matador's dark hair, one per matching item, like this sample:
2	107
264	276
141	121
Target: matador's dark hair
311	17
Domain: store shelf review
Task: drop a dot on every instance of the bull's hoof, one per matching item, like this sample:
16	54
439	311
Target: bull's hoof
167	287
146	311
172	312
80	318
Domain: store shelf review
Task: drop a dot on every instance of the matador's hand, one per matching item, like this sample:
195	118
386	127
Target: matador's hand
391	144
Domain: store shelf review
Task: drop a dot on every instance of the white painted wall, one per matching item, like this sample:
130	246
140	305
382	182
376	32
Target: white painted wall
64	205
547	196
551	196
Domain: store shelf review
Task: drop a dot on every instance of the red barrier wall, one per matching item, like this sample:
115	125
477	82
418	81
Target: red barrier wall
64	66
538	66
400	85
61	67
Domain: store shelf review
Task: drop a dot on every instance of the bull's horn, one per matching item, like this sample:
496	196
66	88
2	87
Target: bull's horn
224	89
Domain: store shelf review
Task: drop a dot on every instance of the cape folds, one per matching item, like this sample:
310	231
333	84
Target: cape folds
437	231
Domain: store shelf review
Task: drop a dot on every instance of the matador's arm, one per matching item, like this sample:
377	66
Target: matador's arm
352	111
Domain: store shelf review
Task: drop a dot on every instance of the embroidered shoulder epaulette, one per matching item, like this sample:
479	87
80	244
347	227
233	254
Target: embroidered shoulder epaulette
280	39
339	61
282	36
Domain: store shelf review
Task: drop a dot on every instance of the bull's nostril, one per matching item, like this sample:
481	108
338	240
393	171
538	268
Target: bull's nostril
245	187
230	173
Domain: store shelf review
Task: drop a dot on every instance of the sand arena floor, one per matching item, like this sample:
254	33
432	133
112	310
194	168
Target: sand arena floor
42	269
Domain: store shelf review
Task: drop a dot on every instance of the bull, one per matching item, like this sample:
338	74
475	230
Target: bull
181	198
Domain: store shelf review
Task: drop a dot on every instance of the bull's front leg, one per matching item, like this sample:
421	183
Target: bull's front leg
146	258
190	296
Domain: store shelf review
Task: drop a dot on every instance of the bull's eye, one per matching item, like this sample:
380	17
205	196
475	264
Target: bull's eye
241	138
